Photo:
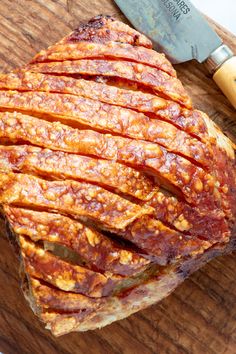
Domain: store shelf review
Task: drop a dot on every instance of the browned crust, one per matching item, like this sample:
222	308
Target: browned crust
65	276
148	234
226	174
115	308
191	121
108	50
196	185
80	199
46	297
96	249
61	165
162	244
136	299
104	117
106	28
157	80
194	122
197	221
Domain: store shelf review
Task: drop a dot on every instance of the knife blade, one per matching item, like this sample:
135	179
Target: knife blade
179	30
175	27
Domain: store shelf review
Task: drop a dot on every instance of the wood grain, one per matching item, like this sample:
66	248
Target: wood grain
200	316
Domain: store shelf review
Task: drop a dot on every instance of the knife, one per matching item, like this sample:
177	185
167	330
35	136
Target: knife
178	29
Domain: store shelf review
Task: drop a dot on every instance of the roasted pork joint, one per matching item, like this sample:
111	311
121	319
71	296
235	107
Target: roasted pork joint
113	187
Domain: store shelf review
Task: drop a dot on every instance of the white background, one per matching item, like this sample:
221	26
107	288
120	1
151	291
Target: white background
222	11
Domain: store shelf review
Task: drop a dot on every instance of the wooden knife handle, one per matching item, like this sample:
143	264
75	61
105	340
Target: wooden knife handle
225	78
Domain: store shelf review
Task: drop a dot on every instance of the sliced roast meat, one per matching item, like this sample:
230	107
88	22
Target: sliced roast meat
61	165
97	250
172	170
109	50
65	276
80	199
78	111
151	78
46	297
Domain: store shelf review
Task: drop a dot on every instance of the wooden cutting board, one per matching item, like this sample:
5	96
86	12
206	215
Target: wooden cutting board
200	316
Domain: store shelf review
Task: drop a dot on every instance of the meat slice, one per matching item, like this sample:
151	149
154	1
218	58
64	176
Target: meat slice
80	199
106	28
109	50
162	244
60	165
46	297
65	197
150	235
65	276
101	116
194	122
30	81
191	121
97	250
173	170
206	224
140	297
151	78
44	265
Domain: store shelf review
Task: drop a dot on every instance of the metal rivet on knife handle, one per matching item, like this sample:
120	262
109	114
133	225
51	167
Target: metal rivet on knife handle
218	58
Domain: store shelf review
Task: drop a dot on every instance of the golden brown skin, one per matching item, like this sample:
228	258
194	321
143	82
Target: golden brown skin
193	122
66	276
106	28
80	199
44	265
190	121
57	300
196	221
148	234
98	251
161	243
159	81
61	165
195	184
78	111
108	50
